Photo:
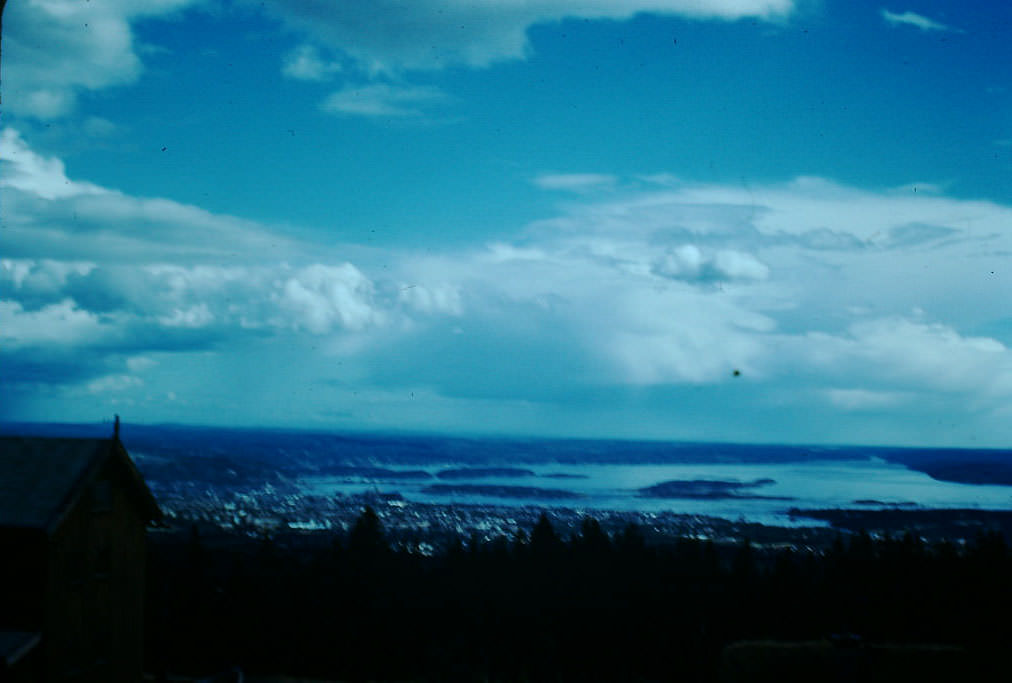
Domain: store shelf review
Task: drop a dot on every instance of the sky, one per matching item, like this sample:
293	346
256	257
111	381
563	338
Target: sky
724	220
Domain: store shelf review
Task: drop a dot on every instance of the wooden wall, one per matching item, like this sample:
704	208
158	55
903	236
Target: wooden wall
94	607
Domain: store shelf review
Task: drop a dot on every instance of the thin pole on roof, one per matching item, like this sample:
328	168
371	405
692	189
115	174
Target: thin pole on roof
115	427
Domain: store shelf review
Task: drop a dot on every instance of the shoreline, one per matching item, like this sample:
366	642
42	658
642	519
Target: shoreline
430	527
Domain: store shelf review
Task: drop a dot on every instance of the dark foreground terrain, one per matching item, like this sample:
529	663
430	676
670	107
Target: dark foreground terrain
589	607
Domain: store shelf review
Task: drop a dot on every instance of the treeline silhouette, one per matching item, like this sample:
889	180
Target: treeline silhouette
538	607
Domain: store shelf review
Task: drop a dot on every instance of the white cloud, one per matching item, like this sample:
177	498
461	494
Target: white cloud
687	262
634	326
801	208
321	298
98	278
389	35
62	324
934	355
54	49
123	306
439	298
683	262
305	63
912	19
683	335
28	171
575	182
899	354
650	327
48	214
687	282
383	99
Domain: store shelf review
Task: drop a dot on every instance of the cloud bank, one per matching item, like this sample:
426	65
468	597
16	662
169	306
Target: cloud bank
390	36
867	302
53	50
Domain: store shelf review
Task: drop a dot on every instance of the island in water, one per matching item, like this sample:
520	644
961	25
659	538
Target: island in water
709	489
484	473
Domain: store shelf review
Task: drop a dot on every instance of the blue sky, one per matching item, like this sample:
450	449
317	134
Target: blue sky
562	217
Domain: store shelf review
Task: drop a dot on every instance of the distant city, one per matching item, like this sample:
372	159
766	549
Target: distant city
281	484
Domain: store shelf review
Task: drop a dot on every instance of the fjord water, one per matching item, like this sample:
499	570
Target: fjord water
859	482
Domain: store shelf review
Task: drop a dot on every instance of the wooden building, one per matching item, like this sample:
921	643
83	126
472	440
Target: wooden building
73	514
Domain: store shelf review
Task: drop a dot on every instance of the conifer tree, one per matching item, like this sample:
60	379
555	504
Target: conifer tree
367	537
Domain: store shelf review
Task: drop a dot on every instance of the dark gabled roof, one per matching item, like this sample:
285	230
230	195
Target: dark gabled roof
41	478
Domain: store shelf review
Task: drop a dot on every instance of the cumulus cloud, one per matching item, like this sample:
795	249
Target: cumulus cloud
383	99
97	277
687	262
439	297
683	335
55	49
389	35
71	324
805	279
140	265
932	355
320	298
62	323
896	361
912	19
602	302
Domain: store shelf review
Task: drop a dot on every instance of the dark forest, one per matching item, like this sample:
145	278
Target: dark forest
540	607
